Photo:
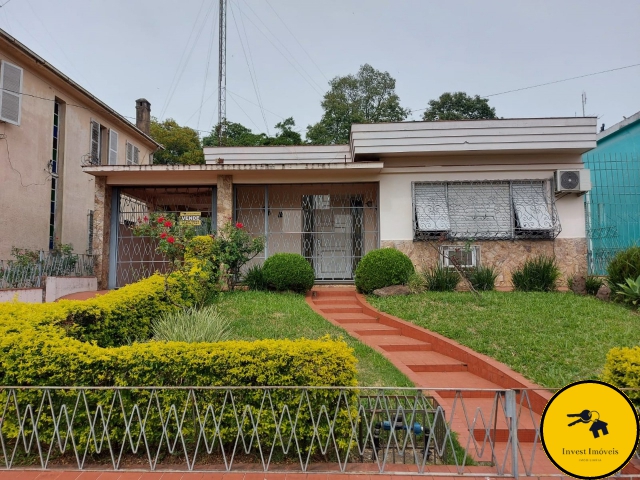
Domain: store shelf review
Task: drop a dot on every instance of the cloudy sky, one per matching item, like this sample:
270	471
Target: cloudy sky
285	51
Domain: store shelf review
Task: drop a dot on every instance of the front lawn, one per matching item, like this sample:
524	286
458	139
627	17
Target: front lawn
258	315
550	338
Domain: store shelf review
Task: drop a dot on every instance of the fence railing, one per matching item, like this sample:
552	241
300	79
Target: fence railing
30	274
308	429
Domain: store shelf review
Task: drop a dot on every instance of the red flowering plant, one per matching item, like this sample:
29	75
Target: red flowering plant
235	247
172	237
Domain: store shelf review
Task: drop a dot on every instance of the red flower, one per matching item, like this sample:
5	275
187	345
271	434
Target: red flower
139	220
168	224
239	225
171	239
160	219
146	219
163	235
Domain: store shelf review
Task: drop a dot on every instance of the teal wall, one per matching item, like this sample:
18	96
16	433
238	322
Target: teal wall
613	205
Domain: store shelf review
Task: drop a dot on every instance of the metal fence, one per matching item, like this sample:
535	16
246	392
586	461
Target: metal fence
31	274
308	429
612	207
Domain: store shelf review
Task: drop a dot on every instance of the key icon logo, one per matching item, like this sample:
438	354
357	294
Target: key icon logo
590	416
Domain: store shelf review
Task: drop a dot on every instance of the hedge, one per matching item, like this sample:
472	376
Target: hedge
382	268
74	343
288	271
622	369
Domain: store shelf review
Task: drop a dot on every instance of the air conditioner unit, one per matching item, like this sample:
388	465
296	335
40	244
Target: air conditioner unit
573	181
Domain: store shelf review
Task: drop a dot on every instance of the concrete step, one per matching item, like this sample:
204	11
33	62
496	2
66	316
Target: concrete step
452	380
454	367
377	332
354	322
336	301
339	317
404	347
344	308
331	292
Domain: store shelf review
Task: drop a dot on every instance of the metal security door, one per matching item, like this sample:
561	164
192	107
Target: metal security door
332	238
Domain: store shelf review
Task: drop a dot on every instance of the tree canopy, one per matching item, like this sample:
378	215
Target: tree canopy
181	144
459	106
237	135
367	97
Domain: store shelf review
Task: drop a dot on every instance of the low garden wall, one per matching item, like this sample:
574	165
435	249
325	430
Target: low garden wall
57	287
27	295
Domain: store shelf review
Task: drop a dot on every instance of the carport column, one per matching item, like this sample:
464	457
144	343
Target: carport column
102	231
225	199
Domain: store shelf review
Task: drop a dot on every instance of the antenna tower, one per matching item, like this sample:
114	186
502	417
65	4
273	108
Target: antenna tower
222	72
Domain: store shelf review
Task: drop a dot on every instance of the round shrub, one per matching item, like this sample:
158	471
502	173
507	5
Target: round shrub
626	264
382	268
288	271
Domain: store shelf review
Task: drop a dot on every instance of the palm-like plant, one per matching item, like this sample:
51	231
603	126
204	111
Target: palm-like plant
630	291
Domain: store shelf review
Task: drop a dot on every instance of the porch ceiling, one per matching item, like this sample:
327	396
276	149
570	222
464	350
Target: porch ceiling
208	174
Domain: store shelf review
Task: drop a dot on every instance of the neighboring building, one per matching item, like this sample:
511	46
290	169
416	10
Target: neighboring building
613	205
421	187
49	128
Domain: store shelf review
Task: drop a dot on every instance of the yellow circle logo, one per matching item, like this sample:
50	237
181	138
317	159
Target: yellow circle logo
589	429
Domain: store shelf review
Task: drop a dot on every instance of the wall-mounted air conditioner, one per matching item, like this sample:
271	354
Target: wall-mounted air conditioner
573	181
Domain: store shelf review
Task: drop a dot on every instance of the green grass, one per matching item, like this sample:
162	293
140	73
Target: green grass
258	315
550	338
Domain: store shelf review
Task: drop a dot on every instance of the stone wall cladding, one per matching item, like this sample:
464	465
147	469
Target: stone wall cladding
102	231
505	255
225	199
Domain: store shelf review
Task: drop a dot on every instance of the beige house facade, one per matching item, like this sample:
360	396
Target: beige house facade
49	128
486	192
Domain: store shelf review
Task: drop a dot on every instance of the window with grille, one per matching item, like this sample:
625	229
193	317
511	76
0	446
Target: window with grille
459	256
484	210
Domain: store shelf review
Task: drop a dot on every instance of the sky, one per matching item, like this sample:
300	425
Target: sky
281	54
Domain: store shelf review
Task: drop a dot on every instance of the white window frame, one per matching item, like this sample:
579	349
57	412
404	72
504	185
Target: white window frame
446	262
11	93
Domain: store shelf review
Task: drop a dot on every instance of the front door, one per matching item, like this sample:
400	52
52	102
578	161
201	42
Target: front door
328	235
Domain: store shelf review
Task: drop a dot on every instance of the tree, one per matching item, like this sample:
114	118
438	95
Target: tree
367	97
237	135
459	106
181	144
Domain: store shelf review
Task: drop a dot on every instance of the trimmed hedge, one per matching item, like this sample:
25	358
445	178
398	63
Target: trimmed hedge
382	268
288	271
622	369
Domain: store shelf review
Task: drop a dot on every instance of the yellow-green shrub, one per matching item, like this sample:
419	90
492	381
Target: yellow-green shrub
35	349
622	369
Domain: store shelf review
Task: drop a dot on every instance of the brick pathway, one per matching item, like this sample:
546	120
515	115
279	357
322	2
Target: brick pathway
437	363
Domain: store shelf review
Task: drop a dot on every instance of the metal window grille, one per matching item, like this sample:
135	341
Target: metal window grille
460	256
331	225
90	232
487	210
53	203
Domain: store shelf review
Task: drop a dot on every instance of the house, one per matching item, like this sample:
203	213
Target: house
49	127
482	191
613	205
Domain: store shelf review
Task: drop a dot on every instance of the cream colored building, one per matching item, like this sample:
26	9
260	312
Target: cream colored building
485	192
49	128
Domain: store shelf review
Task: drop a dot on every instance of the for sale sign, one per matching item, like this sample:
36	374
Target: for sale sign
190	219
